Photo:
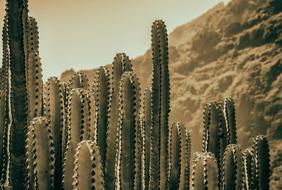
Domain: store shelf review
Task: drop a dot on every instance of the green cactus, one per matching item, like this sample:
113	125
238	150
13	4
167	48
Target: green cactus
16	31
77	122
101	90
129	106
262	162
249	169
160	108
88	169
40	154
232	168
204	172
120	65
230	120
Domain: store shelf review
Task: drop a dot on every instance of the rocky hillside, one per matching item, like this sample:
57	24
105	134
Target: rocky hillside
233	50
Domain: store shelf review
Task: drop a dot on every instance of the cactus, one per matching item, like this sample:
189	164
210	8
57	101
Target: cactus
33	70
232	168
88	169
120	65
40	155
77	122
160	108
147	130
204	172
180	150
101	90
215	133
129	106
54	112
230	120
262	162
16	30
249	169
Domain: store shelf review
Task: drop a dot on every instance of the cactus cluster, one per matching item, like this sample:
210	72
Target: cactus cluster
109	134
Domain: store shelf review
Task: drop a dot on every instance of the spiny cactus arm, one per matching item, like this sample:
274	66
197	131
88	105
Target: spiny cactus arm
93	115
102	92
204	172
40	155
3	135
175	156
185	158
127	127
262	162
88	171
120	65
249	169
75	112
34	85
147	131
232	168
33	71
18	92
54	111
230	120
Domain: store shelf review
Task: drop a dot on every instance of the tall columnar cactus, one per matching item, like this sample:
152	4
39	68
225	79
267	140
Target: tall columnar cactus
88	169
214	133
129	106
147	132
102	92
232	168
230	120
160	107
204	172
120	65
262	162
33	70
54	110
77	124
40	155
16	30
249	169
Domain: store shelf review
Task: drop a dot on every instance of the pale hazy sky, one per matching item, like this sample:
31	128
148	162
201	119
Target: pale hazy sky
83	34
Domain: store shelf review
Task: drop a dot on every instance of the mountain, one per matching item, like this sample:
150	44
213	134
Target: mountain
233	50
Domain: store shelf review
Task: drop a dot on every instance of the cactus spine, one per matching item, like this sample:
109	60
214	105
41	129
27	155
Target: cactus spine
232	168
88	169
40	155
160	108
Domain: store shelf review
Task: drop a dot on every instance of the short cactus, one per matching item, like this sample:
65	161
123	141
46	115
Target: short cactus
249	169
204	172
230	120
232	168
88	169
40	155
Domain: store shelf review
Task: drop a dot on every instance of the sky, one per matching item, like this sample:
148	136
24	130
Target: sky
85	34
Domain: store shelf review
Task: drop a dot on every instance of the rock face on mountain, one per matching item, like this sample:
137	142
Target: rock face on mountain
233	50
